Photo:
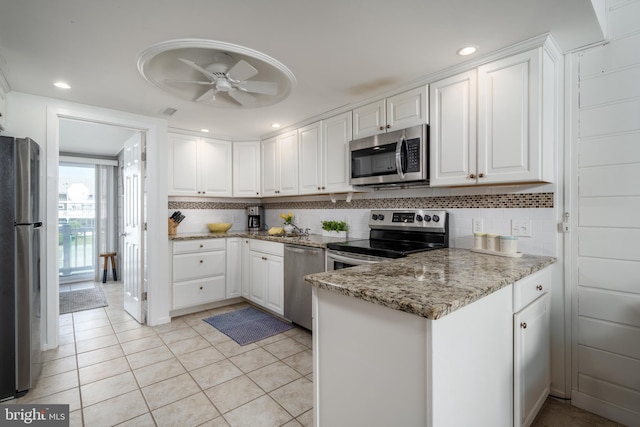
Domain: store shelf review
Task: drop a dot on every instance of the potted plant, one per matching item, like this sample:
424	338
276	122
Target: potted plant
335	229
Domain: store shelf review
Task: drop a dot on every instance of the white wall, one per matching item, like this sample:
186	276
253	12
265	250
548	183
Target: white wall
37	117
605	194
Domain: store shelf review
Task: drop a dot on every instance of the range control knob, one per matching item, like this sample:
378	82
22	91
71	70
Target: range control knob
374	217
418	218
427	218
436	218
380	217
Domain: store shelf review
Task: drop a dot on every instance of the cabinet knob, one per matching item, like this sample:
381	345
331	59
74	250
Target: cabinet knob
523	325
539	287
264	258
201	287
202	246
480	175
381	127
388	126
323	188
257	194
472	176
318	188
201	261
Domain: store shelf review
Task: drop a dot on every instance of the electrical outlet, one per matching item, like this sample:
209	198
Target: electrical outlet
476	226
521	227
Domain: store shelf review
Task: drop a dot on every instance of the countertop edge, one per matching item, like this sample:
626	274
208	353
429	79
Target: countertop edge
315	240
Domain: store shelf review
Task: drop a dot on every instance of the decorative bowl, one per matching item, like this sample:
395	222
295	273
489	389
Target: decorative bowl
219	226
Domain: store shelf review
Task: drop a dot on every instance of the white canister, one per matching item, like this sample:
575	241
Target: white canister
509	244
493	242
479	240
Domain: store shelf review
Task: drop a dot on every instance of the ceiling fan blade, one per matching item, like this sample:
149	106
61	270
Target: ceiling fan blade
242	98
242	71
209	95
266	88
197	82
198	68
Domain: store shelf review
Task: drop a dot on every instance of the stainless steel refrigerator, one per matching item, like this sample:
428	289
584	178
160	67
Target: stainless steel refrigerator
20	259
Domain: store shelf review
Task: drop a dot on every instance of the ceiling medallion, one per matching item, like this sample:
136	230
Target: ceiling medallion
216	73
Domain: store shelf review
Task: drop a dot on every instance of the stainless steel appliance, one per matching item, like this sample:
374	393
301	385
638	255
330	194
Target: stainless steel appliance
393	234
20	259
298	262
397	157
255	218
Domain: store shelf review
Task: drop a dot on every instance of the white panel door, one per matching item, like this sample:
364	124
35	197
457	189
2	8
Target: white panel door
133	227
336	134
183	165
288	168
233	274
269	166
275	284
453	130
214	167
311	161
509	119
370	119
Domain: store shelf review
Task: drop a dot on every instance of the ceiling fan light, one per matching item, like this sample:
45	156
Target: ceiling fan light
467	50
223	85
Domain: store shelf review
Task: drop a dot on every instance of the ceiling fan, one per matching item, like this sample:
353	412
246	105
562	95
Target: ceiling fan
232	81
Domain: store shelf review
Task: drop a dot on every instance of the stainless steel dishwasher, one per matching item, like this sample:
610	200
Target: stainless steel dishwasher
298	262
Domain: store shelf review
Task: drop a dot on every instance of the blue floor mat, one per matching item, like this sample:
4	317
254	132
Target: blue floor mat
248	325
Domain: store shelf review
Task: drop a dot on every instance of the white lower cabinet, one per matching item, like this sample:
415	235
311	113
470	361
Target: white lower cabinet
234	267
198	272
531	347
266	275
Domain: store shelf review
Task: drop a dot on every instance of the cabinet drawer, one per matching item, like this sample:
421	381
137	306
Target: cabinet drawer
273	248
186	246
198	265
198	292
531	287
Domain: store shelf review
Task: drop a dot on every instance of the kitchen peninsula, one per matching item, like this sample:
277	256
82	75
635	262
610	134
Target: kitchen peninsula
398	344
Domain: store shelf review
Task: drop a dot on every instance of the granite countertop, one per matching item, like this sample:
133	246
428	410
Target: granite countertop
453	278
314	240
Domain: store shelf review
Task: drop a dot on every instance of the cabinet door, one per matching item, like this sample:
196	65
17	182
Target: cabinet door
407	109
246	169
246	269
234	267
275	284
369	119
509	119
269	157
532	359
183	170
259	278
288	167
311	162
336	134
452	154
214	167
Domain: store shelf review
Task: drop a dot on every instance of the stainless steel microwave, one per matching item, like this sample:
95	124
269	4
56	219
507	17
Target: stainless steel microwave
394	157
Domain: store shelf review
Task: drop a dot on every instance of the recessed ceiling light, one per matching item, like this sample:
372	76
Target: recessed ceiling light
62	85
275	125
204	130
467	50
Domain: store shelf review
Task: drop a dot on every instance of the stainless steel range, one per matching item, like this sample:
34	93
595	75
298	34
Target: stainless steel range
393	234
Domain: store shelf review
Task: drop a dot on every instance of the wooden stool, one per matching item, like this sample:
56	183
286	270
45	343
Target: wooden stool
109	256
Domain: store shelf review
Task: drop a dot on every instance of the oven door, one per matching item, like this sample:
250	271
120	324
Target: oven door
337	260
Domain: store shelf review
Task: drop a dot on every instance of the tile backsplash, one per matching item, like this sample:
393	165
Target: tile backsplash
496	210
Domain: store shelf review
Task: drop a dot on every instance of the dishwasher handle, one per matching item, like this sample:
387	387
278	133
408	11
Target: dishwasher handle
300	250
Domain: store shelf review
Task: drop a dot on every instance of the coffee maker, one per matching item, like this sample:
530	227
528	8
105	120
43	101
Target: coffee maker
255	217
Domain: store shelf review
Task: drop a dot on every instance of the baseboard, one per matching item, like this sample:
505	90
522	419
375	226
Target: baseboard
605	409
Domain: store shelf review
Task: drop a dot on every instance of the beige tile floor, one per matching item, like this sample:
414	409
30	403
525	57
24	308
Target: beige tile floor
113	371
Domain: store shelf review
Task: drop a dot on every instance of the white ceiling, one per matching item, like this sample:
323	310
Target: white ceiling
341	51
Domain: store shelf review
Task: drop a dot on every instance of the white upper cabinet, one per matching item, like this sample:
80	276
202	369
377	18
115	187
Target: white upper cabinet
324	155
199	166
280	165
397	112
310	154
513	139
453	129
246	169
